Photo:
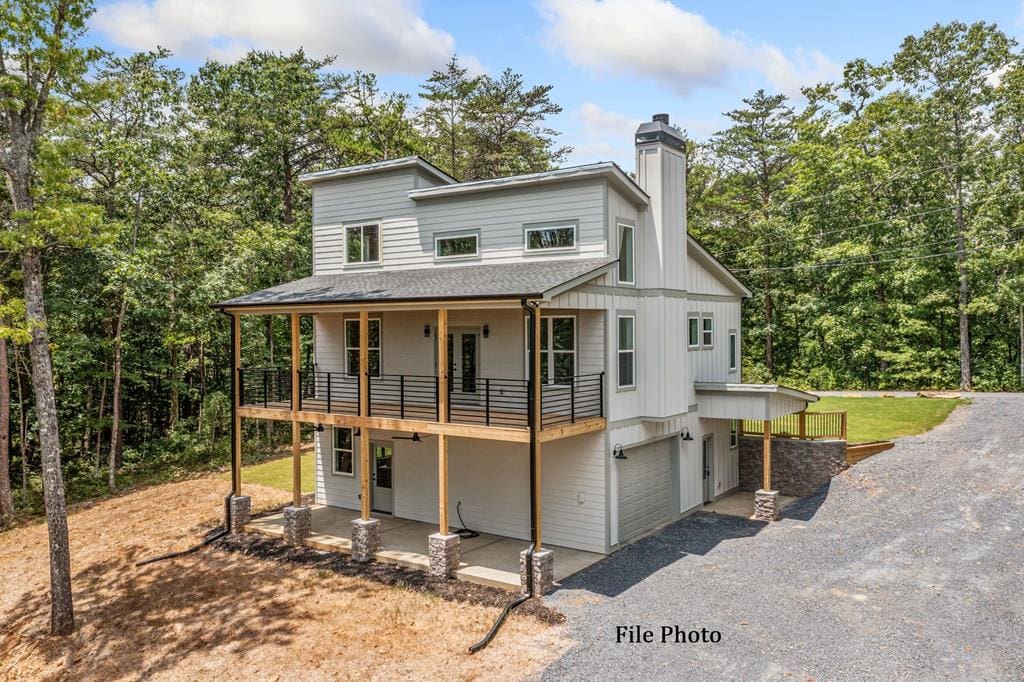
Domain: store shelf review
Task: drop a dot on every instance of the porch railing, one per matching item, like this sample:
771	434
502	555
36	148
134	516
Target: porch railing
481	401
801	425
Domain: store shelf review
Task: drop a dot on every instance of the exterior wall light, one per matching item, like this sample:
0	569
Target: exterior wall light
319	428
617	452
487	331
426	331
685	434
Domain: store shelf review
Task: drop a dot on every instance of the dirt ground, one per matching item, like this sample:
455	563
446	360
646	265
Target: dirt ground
226	613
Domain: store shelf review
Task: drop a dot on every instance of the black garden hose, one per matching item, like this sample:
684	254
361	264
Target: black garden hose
463	532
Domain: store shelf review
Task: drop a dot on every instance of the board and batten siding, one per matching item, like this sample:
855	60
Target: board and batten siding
712	364
725	469
491	479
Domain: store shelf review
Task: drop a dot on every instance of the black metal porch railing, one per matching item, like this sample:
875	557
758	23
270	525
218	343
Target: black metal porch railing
480	401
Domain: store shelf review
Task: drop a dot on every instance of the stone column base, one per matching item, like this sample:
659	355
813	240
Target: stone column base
766	505
297	524
365	539
543	571
444	554
241	512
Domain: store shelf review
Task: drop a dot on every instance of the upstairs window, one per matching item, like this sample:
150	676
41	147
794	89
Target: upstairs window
452	246
551	238
626	260
362	243
693	332
733	350
627	351
557	349
341	452
352	347
707	331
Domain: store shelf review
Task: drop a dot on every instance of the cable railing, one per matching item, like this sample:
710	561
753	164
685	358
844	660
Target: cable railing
474	400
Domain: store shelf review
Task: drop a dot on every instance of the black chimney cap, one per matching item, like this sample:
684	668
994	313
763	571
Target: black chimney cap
660	118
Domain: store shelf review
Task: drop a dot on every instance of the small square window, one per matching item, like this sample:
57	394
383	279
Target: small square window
707	331
362	244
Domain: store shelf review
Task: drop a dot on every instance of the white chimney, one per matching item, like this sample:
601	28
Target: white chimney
661	172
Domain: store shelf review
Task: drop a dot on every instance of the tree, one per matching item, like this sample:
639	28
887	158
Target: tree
951	66
38	55
448	137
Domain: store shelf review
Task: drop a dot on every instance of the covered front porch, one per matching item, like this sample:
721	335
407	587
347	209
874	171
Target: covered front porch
485	559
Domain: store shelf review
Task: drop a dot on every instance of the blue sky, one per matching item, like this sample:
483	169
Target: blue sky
613	62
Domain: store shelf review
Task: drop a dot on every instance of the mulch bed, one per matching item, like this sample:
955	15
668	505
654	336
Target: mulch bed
253	544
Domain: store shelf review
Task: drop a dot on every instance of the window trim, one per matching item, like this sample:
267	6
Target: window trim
734	434
619	350
622	227
703	317
335	450
439	236
380	242
733	350
537	227
690	319
378	348
550	351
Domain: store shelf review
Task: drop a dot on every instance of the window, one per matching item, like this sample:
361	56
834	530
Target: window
456	246
734	434
733	350
362	244
626	255
627	352
551	238
342	451
707	331
557	348
693	332
352	347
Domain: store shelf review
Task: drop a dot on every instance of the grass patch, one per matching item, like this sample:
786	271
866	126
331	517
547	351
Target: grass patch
277	473
886	418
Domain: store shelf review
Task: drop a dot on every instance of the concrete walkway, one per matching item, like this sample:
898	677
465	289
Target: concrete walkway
910	565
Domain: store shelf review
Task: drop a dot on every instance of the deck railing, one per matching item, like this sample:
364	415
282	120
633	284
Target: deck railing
801	425
481	401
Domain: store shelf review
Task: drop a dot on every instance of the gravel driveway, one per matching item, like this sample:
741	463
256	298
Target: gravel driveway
909	565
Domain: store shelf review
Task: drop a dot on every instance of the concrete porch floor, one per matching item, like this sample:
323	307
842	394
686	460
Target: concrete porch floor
741	503
486	559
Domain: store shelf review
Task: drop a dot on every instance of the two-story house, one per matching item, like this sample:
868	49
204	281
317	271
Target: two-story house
549	357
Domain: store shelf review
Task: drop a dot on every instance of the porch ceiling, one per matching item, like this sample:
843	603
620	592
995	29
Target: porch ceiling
750	401
507	282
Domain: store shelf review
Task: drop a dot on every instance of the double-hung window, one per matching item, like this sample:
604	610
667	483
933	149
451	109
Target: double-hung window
693	331
352	347
557	348
341	451
627	351
362	244
707	331
551	238
734	350
626	259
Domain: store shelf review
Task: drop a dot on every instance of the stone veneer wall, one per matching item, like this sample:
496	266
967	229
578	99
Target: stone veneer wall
799	467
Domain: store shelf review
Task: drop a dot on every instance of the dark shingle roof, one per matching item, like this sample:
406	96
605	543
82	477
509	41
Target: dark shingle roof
504	280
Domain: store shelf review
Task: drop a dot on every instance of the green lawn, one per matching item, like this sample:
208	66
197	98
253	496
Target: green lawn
885	418
277	473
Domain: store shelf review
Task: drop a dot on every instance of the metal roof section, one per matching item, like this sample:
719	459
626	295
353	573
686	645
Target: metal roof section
754	389
532	279
703	255
659	130
606	169
378	167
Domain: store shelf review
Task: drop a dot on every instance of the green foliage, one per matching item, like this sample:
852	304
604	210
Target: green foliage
871	419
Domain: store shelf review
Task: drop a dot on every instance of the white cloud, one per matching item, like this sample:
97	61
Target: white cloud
379	35
656	39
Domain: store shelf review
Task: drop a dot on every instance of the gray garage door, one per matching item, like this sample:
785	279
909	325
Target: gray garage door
645	488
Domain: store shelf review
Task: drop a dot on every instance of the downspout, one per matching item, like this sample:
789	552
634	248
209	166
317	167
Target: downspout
218	533
534	427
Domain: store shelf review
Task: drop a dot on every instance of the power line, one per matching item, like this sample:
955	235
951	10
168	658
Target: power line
874	223
859	260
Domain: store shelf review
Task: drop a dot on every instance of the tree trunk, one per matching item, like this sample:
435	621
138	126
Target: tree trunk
22	433
6	499
1020	340
99	419
963	290
269	329
114	460
62	617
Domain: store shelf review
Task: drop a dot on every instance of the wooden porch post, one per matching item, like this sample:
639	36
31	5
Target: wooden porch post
236	366
296	427
766	484
802	416
442	417
538	425
364	410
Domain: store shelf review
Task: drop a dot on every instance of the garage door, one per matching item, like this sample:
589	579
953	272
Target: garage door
645	488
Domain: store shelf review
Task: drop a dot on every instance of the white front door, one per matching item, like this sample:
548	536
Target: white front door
382	458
